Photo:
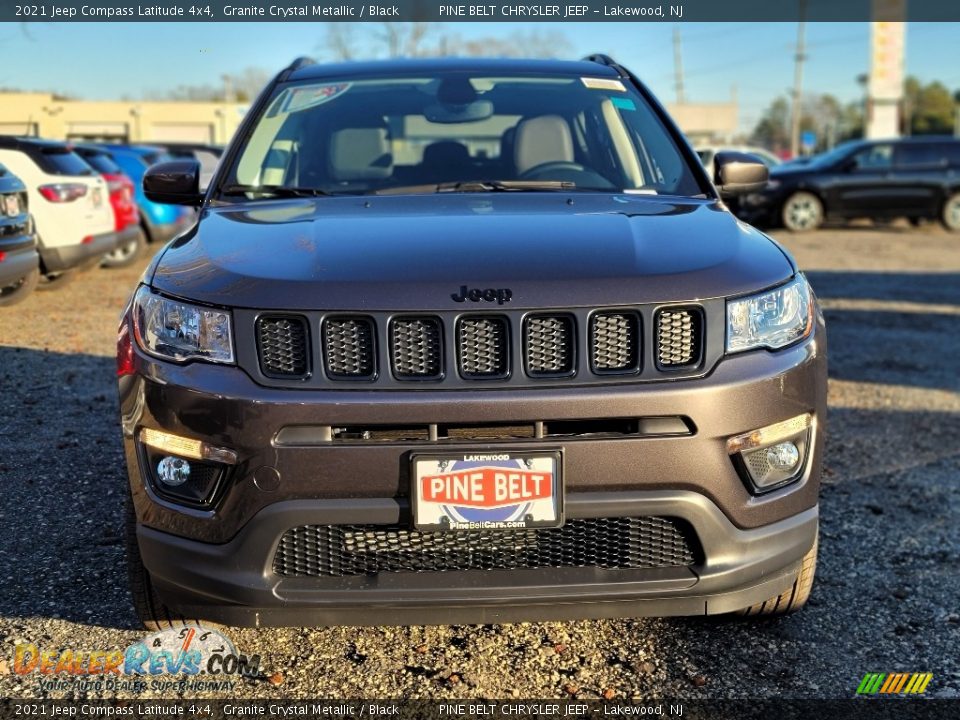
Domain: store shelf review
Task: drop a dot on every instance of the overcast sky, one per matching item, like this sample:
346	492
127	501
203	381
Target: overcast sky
107	60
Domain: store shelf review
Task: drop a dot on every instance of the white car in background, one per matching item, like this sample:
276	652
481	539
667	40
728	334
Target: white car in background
707	153
70	203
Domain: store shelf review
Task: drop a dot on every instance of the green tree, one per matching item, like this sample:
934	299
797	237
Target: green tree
928	109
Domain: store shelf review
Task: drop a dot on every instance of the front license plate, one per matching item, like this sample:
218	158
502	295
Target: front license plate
487	491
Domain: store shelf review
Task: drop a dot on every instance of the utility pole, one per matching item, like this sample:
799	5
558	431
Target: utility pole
797	85
677	66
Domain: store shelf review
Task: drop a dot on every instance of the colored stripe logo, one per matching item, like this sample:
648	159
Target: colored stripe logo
894	683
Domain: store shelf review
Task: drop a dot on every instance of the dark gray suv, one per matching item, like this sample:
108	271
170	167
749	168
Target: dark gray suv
468	341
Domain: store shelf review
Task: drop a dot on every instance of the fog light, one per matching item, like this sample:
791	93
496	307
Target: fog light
784	456
772	456
173	471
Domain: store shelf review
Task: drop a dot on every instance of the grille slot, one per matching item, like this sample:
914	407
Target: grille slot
282	344
608	543
348	348
615	342
549	342
415	348
679	337
483	348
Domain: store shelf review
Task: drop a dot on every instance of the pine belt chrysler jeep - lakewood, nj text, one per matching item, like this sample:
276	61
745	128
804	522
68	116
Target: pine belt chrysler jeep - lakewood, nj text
468	341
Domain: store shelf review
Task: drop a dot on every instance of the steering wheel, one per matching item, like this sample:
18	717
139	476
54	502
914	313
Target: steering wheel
552	166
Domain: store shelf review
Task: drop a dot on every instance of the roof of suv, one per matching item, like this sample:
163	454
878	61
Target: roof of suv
20	142
382	68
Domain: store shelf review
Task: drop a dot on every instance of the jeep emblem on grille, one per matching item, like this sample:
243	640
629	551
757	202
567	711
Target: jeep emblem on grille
501	295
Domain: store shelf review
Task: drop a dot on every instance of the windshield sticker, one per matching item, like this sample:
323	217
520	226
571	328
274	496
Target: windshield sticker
312	95
623	103
603	84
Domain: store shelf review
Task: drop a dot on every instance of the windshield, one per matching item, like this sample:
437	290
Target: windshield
832	156
459	132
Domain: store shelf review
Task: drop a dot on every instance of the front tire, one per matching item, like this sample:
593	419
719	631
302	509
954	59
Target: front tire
802	212
150	609
950	216
18	291
127	254
794	597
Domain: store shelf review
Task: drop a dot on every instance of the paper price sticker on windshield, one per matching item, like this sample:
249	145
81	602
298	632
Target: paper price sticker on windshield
603	84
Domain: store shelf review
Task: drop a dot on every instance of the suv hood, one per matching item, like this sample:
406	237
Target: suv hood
414	252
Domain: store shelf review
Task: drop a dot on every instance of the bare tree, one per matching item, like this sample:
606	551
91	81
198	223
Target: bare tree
420	39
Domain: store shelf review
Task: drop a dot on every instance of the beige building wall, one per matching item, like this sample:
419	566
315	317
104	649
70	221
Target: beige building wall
706	122
136	122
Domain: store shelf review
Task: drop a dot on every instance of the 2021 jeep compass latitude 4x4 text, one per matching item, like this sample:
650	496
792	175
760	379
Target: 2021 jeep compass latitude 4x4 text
468	341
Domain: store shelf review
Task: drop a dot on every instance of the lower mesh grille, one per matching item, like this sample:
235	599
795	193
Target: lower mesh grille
348	348
482	344
679	337
610	543
549	345
415	350
282	345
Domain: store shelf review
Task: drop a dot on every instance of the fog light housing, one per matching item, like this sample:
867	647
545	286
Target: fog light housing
185	471
173	471
772	456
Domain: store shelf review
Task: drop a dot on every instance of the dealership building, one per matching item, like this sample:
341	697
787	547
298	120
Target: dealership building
43	115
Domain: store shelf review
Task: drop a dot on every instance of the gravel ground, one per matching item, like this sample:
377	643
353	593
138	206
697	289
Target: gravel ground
886	596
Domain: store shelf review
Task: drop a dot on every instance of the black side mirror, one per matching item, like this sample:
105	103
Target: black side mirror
174	183
736	173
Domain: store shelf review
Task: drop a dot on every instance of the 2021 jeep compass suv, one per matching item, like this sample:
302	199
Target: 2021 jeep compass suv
468	341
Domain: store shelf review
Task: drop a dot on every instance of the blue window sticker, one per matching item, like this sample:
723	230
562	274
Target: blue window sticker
623	103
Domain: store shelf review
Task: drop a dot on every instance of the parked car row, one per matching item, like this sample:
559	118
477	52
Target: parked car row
65	208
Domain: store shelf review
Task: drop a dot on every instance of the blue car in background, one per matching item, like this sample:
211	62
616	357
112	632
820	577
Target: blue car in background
160	222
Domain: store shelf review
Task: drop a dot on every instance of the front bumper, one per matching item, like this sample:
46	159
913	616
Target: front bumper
17	264
758	208
234	583
82	255
217	563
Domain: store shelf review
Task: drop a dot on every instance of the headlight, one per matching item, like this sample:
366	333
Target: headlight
175	330
773	319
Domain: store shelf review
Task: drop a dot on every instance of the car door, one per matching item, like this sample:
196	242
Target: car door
921	172
863	186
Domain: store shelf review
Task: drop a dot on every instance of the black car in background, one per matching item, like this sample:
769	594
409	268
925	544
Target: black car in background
915	178
19	261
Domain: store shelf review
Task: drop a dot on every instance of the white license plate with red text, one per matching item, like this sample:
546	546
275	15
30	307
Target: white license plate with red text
486	490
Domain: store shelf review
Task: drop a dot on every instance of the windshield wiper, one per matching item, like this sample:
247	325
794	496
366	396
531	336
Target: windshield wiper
274	190
506	186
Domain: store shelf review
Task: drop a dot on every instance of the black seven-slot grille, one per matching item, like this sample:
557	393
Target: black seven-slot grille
483	347
282	341
415	347
678	337
348	349
624	543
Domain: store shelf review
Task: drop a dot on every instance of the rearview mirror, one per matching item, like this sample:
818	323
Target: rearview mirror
736	173
173	183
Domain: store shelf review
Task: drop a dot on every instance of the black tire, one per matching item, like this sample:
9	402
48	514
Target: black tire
950	214
127	254
55	281
802	212
796	596
150	609
18	291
